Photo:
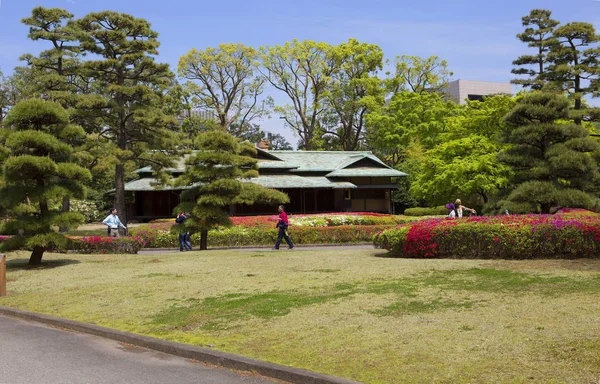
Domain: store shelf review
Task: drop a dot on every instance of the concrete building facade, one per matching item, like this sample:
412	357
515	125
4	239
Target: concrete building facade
461	90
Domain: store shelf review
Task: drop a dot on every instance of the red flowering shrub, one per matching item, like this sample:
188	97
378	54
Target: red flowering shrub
570	234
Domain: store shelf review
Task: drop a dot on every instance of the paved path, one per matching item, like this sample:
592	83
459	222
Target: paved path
35	353
149	251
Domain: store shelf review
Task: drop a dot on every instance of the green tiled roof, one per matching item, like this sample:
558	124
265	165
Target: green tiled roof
366	172
270	181
145	184
333	163
300	182
275	164
319	161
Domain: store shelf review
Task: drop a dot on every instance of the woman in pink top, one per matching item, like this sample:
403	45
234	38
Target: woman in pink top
282	224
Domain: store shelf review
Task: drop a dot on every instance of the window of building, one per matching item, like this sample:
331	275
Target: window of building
475	97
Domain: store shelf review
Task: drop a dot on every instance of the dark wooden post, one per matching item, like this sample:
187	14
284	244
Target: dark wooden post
2	275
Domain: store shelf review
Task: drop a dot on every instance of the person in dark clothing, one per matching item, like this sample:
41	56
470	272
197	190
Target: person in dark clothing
282	224
184	235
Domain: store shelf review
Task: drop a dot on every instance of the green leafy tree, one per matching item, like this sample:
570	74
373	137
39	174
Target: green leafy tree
461	167
36	147
132	86
465	163
301	70
224	80
554	163
353	90
5	99
217	177
408	118
483	118
416	74
539	35
278	143
574	67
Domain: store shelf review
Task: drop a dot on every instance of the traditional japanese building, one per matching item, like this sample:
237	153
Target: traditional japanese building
315	181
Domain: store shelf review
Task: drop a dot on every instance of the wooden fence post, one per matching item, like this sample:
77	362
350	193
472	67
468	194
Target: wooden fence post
2	275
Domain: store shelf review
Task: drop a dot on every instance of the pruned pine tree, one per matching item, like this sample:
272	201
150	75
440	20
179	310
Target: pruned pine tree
36	145
217	177
555	164
538	34
575	67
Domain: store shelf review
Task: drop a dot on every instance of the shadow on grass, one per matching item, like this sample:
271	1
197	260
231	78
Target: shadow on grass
387	255
22	264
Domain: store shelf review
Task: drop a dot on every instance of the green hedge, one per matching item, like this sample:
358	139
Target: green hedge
419	211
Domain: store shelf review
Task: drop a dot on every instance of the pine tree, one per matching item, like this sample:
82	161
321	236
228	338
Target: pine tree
574	66
538	35
217	177
554	163
36	145
132	87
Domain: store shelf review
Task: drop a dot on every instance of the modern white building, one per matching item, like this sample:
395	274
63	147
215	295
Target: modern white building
461	90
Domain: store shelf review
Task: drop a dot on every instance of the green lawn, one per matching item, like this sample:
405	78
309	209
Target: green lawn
345	313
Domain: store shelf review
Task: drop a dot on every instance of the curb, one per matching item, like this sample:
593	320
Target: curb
267	247
223	359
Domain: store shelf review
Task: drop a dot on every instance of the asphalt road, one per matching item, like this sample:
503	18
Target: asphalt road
34	353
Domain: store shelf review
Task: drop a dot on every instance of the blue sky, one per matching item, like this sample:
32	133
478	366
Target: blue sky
477	38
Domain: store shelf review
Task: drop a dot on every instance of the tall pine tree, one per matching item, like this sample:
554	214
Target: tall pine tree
538	34
574	67
132	85
554	163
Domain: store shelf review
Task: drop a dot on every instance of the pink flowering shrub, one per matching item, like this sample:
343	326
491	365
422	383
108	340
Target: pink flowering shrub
105	244
568	234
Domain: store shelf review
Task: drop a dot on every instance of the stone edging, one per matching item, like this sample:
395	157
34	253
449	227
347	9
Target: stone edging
223	359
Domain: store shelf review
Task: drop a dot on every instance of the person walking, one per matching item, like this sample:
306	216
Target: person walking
113	223
184	235
282	224
459	209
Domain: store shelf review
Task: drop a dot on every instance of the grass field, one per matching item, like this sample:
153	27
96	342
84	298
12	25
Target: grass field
348	313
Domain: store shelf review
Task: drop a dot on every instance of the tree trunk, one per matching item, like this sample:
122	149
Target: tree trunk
120	193
66	207
545	208
203	240
36	255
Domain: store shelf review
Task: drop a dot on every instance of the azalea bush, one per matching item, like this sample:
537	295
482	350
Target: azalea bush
105	244
569	234
95	244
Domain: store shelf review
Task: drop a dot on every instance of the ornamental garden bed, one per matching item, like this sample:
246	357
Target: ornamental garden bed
260	230
568	234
